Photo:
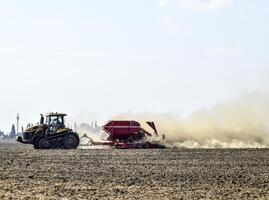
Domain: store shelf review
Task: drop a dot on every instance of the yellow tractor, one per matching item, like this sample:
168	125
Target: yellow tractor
53	134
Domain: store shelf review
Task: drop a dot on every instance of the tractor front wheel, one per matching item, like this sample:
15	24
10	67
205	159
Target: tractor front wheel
43	143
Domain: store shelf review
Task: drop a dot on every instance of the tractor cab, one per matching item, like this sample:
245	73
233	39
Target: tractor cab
54	120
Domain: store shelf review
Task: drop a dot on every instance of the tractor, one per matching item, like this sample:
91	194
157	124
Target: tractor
53	134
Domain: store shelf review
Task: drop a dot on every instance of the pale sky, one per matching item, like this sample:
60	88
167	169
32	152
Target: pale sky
96	59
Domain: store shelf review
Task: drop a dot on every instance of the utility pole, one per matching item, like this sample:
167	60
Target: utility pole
18	119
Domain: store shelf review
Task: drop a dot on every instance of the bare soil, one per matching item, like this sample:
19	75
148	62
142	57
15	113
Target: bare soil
26	173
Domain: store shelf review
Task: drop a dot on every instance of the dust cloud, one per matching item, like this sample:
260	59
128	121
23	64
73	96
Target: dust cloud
241	123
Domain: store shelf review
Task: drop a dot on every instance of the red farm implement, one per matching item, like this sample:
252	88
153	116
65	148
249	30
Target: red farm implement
127	135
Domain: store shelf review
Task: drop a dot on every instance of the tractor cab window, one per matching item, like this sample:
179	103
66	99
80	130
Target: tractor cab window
55	120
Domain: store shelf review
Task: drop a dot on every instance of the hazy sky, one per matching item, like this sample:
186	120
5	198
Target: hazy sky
96	59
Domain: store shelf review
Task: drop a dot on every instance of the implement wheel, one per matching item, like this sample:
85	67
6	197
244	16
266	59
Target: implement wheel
146	145
70	141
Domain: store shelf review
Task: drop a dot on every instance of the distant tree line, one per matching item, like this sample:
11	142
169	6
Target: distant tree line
11	135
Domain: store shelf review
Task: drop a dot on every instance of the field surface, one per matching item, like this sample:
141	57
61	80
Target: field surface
26	173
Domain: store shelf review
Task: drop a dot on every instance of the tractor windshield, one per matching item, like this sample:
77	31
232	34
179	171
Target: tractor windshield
55	120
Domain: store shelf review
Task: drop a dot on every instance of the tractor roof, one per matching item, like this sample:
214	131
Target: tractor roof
56	114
